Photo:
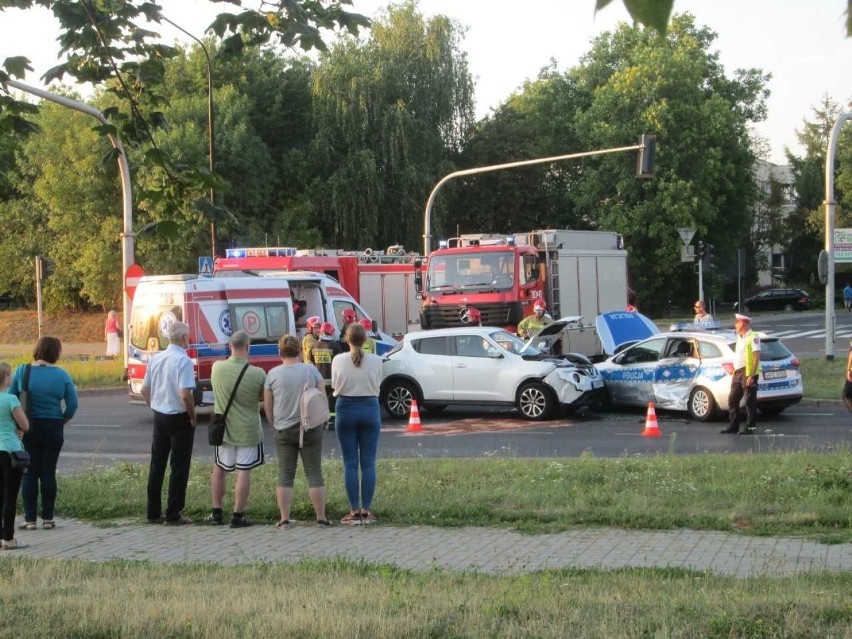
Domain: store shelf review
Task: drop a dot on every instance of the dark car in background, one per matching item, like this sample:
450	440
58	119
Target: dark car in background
779	299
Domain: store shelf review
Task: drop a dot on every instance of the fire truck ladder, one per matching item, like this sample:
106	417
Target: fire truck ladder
552	282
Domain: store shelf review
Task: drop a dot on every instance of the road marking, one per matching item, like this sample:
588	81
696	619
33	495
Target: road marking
815	414
805	333
130	456
76	425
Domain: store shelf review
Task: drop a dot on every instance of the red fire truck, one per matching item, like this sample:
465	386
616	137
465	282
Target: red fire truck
575	272
381	281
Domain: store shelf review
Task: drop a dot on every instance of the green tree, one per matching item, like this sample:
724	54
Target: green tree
677	89
391	114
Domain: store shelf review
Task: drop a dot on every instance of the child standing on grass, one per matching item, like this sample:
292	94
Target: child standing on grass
13	423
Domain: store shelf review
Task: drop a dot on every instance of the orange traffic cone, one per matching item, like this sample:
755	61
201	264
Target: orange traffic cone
651	427
414	419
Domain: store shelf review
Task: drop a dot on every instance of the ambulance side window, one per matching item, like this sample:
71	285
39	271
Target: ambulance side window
340	306
262	322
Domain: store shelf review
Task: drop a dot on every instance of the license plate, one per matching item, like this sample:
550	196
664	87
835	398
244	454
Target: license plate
597	383
774	374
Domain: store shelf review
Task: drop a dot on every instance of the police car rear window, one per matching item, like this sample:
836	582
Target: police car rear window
772	350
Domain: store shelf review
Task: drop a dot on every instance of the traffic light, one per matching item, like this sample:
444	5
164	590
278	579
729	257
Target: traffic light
699	251
44	267
645	161
709	257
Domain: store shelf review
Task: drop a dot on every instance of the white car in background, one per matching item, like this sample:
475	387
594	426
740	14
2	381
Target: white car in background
477	365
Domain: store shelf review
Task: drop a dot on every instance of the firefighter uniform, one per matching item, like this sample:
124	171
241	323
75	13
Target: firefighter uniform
308	342
532	324
323	351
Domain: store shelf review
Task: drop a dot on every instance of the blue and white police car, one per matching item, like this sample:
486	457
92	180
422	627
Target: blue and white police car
690	370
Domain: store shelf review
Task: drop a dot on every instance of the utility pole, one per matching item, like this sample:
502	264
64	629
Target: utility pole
210	137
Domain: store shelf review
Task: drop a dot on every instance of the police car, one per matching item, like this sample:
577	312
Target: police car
690	370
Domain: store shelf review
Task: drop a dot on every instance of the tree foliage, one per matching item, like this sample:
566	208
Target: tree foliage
391	114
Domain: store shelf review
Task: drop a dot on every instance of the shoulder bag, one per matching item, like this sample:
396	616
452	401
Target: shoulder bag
313	409
24	392
219	421
20	459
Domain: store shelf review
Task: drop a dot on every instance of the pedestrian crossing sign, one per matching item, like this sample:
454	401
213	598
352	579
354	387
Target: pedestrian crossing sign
205	266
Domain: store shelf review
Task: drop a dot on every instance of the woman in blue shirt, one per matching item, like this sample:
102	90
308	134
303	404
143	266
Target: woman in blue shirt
12	420
50	387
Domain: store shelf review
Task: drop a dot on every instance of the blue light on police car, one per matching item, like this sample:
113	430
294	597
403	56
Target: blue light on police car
510	240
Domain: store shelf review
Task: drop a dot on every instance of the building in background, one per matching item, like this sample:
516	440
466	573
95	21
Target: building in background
776	202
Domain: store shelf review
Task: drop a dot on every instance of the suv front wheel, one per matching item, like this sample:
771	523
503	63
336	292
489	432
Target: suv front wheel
536	401
397	396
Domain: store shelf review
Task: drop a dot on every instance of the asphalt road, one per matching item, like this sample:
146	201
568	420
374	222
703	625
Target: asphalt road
107	430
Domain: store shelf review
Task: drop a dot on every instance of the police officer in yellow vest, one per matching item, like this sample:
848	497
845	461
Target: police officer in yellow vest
746	375
369	343
532	324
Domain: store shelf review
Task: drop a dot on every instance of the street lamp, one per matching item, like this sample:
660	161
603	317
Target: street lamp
210	145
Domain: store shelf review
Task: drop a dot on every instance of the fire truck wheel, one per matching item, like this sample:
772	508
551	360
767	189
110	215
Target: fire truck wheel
396	397
536	401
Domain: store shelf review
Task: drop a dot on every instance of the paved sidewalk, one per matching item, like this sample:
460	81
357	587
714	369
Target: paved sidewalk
486	550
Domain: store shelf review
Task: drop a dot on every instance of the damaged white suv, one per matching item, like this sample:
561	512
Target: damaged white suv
479	365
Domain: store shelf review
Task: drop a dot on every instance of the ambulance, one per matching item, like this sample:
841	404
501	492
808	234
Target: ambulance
266	307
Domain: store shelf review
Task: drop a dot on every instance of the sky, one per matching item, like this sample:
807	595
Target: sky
801	43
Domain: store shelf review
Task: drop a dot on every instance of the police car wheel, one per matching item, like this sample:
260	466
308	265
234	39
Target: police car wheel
701	405
397	397
535	401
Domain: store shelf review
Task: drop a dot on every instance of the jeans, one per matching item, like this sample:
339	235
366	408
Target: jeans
172	444
11	482
43	441
358	423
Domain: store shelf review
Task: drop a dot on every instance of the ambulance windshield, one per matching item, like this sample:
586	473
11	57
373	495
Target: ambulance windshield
149	325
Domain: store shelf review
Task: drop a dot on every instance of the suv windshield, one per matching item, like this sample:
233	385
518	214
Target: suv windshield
513	344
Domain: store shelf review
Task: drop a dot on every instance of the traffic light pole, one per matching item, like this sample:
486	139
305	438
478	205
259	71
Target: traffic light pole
701	278
127	235
39	305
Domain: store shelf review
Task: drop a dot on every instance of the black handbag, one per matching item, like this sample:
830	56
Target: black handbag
219	421
20	459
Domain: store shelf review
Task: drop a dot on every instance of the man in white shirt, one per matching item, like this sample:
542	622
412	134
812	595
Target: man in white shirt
167	387
745	378
701	314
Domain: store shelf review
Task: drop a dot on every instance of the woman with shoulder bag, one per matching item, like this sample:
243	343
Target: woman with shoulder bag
847	387
281	395
52	404
12	422
356	377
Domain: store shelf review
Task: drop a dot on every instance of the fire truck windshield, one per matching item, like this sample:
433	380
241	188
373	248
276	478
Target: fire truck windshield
493	270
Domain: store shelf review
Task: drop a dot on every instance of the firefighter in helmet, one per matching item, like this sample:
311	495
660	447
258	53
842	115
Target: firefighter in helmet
310	338
532	324
349	317
369	343
471	316
323	351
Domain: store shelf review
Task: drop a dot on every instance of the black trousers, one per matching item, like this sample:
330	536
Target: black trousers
172	444
738	390
9	486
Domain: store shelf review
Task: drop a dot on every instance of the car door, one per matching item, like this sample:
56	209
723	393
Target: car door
475	375
631	381
676	372
433	368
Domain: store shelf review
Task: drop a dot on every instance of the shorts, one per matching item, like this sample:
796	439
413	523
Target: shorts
230	458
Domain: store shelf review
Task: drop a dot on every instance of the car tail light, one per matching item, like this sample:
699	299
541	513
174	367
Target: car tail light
795	362
728	367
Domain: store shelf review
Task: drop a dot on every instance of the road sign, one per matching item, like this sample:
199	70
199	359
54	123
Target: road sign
131	278
686	235
843	245
687	253
205	266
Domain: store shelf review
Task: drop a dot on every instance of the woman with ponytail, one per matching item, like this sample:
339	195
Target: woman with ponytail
355	378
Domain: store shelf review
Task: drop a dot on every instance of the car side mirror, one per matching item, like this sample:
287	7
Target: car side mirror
493	353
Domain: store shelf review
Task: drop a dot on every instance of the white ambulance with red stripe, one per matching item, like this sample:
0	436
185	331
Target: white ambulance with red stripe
265	307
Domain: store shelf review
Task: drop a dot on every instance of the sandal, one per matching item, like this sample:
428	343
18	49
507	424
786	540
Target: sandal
27	525
48	524
284	523
368	517
352	519
323	523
